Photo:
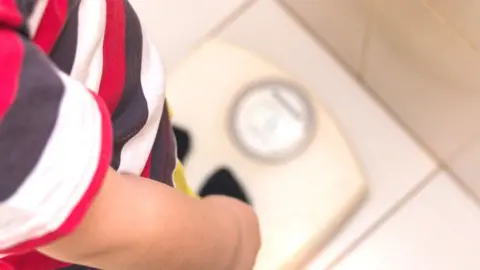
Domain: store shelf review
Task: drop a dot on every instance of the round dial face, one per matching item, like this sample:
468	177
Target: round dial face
272	121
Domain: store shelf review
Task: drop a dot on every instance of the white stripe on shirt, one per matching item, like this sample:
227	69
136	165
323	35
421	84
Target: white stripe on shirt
48	196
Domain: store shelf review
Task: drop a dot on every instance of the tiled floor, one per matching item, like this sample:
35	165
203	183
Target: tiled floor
436	229
414	217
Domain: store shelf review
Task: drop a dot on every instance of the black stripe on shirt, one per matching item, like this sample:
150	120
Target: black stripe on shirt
30	120
164	156
64	52
131	114
25	7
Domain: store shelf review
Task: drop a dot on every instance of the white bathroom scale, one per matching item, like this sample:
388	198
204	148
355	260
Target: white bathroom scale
287	152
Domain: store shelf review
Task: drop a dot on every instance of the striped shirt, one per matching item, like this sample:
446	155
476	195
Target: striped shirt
81	89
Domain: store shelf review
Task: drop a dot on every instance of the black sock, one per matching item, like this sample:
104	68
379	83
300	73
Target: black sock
223	182
183	143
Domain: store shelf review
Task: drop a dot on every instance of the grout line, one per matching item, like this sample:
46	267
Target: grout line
367	38
407	129
451	26
460	150
403	125
440	162
458	179
429	178
229	19
462	184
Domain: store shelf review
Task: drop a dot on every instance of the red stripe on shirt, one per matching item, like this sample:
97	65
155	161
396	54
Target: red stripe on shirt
9	14
11	55
6	266
51	25
76	216
113	75
31	261
148	165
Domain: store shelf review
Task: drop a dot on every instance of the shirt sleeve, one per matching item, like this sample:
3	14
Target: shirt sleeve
55	143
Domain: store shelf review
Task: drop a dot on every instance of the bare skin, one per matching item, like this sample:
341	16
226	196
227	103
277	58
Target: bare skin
136	223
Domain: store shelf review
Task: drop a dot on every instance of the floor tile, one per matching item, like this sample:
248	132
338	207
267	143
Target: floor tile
437	229
175	26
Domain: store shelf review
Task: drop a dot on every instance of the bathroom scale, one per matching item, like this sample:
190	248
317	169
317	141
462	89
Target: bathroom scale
286	151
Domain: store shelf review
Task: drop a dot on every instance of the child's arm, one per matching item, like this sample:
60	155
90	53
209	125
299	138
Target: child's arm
137	224
57	192
58	195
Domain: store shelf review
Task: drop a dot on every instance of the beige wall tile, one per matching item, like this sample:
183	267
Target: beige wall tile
341	23
175	26
437	229
426	74
463	15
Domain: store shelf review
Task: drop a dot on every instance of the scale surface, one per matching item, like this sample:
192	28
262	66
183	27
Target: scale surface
246	114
